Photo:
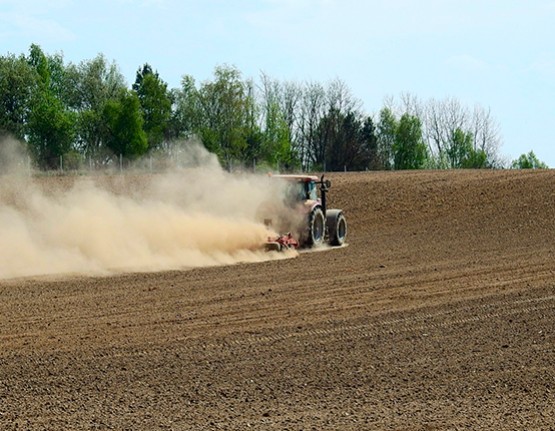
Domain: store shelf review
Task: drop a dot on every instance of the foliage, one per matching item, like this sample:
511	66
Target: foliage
122	116
219	113
186	117
87	112
92	84
370	146
456	136
275	145
409	149
462	154
345	140
51	130
50	125
275	141
17	86
156	105
386	135
528	161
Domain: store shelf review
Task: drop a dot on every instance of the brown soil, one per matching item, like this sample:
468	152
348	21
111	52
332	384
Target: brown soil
438	315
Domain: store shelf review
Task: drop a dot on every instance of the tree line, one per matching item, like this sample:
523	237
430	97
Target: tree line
86	114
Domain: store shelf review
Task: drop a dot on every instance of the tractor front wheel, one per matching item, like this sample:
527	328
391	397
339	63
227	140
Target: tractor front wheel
316	228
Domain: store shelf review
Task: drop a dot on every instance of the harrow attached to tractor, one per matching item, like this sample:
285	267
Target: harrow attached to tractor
282	243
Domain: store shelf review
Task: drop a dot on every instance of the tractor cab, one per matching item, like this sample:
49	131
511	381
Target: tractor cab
299	190
307	195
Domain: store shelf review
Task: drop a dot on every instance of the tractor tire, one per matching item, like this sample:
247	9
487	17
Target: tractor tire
337	227
316	228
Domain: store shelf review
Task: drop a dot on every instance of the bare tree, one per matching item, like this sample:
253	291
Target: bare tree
443	120
486	133
411	104
291	95
340	98
312	110
442	123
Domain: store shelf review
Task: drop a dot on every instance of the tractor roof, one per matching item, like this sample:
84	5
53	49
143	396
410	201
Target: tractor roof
299	178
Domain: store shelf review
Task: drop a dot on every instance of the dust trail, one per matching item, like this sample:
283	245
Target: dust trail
196	216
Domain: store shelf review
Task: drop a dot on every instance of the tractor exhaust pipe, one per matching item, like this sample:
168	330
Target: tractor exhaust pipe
324	187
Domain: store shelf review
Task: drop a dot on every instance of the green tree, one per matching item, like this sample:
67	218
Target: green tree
224	117
462	154
93	83
51	131
122	116
275	147
359	142
50	126
156	105
346	139
17	85
386	133
528	161
459	148
187	116
370	143
326	145
476	159
409	149
38	61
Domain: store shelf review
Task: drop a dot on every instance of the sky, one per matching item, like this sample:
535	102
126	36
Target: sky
496	54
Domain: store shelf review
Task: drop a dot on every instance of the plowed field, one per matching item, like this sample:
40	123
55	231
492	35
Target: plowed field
438	315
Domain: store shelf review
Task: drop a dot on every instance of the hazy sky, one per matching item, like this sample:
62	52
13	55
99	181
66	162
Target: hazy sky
499	54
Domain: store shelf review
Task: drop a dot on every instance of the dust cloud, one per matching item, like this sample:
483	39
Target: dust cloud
196	215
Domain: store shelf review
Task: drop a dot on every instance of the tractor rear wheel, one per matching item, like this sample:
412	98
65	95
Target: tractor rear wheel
337	227
316	228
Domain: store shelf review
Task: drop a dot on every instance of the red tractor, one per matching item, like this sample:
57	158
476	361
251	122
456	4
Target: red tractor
310	222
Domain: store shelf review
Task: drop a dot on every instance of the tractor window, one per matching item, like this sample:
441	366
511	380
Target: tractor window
300	191
295	193
311	190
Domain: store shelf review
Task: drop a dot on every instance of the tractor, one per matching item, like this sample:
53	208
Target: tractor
314	223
